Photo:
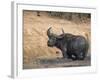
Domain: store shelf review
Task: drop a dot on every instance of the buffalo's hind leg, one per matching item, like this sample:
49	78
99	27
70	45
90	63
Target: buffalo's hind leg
81	56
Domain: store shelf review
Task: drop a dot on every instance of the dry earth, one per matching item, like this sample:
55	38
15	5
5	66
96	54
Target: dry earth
35	38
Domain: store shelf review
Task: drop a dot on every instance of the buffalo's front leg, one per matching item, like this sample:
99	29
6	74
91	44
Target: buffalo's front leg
64	52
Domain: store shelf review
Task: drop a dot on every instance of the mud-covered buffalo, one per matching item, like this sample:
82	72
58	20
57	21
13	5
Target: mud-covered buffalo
56	39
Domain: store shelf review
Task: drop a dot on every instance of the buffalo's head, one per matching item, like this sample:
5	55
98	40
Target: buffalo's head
53	37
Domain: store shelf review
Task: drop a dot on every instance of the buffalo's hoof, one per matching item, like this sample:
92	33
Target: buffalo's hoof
81	58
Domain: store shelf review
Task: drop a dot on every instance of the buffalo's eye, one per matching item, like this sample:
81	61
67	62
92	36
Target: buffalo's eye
52	39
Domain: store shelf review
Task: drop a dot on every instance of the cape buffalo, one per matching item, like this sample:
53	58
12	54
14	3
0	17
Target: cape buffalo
74	47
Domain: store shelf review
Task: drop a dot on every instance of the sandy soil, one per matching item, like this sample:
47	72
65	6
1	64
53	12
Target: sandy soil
35	36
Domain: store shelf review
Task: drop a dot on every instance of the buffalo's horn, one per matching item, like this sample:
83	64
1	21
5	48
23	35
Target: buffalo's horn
48	31
61	36
63	31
